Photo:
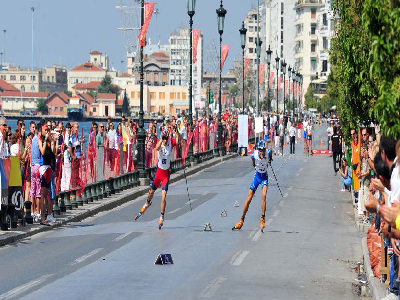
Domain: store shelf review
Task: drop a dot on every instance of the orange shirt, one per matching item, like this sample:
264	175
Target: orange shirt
355	157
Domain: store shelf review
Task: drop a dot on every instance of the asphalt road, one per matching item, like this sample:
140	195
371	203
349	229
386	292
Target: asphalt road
308	250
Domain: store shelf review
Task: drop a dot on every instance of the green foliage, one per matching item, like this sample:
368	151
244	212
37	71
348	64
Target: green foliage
41	106
366	64
106	86
92	94
69	93
234	91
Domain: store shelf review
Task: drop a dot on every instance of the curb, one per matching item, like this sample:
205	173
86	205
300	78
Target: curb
375	286
109	204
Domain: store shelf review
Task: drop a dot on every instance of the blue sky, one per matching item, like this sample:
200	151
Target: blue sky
66	31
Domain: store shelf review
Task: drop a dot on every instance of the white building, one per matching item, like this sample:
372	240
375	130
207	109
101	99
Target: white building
180	59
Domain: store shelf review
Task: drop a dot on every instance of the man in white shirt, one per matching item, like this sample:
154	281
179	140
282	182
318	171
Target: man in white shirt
329	132
292	135
281	131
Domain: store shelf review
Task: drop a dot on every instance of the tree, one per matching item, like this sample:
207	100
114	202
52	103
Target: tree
310	100
106	86
234	91
41	106
69	93
126	109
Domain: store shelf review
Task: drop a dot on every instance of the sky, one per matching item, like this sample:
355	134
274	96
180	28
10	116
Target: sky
66	31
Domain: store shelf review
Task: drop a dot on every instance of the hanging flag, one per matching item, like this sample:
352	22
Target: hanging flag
291	87
271	80
224	55
246	66
249	96
261	74
279	83
286	87
196	35
295	89
148	12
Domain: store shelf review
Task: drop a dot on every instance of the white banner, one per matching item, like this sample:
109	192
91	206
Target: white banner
258	125
243	131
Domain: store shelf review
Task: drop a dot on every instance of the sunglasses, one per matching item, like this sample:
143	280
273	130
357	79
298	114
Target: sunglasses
101	126
365	134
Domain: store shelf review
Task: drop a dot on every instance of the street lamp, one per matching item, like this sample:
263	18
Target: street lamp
293	80
290	75
277	88
221	12
258	45
301	90
283	67
269	53
298	84
191	4
243	32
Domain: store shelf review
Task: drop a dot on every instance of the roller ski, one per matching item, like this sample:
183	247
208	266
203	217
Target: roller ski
143	209
262	224
160	222
238	225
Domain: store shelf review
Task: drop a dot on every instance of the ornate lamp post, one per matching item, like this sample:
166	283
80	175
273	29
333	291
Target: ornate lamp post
298	84
277	88
290	75
258	45
293	80
141	134
191	4
269	53
243	32
301	91
221	12
283	69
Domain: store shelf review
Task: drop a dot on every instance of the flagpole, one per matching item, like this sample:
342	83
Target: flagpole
140	135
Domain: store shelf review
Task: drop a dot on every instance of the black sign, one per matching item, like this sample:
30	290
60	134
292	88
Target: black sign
164	259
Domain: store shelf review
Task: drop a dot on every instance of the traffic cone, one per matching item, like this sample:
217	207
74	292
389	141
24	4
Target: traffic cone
322	144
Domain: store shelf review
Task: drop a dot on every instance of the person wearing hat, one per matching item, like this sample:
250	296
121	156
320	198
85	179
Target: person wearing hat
164	150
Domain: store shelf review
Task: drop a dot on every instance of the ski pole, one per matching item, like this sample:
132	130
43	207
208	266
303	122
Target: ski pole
187	188
276	179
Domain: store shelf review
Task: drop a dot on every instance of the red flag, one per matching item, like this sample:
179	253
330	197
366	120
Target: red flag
261	74
148	12
249	96
224	55
271	80
196	35
291	87
286	87
279	83
295	89
246	66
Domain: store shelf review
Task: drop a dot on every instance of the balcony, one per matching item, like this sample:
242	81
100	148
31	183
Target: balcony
300	2
313	37
313	54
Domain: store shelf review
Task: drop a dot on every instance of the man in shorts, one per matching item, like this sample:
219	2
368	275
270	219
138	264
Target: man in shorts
164	150
36	161
261	157
309	130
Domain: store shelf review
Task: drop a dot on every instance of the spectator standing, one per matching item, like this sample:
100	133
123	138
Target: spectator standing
281	130
183	133
75	150
336	145
355	158
329	132
100	135
292	135
149	144
67	159
111	146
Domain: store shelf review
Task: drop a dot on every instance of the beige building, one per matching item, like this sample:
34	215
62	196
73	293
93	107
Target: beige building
171	100
50	79
105	106
99	60
14	102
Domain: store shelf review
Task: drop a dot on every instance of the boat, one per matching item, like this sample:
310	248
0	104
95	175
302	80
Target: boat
75	110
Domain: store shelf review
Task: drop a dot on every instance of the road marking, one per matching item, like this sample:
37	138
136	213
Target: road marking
122	236
238	261
276	213
281	203
297	174
301	169
257	236
253	233
290	188
175	210
285	196
23	288
212	288
268	222
85	257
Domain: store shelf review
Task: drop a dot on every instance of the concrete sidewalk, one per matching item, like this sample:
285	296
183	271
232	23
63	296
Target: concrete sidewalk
93	208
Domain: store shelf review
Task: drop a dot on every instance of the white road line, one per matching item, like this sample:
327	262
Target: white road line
281	203
85	257
23	288
301	169
122	236
257	236
253	233
238	261
175	210
290	188
285	196
297	174
276	213
268	222
235	256
213	287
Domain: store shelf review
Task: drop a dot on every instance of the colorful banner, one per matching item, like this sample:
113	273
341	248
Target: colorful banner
261	74
291	88
246	66
286	87
271	80
224	54
295	90
196	35
148	12
279	83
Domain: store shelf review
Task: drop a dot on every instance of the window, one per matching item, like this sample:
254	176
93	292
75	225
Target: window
282	22
251	40
299	29
313	64
313	28
164	78
161	95
313	13
138	95
33	78
147	77
155	77
282	8
52	78
48	78
152	95
172	96
183	96
61	108
22	78
313	46
251	29
3	77
132	95
94	109
22	88
178	96
324	20
55	108
325	43
281	51
324	66
251	50
282	37
13	77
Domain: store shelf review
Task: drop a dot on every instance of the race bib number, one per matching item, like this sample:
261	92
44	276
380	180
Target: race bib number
164	161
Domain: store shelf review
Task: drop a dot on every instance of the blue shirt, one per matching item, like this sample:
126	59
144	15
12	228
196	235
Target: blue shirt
36	156
75	144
